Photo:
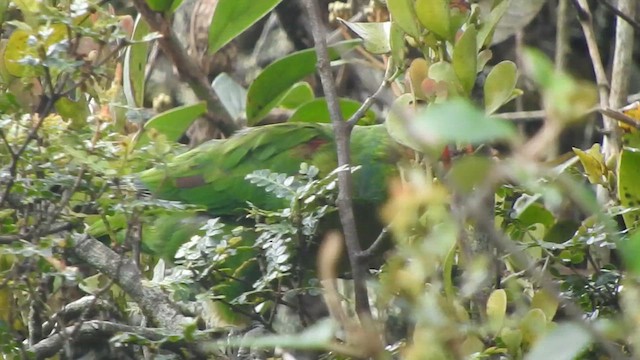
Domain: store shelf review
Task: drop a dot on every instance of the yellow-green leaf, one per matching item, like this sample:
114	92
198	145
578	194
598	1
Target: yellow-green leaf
403	14
547	303
465	59
496	309
434	16
499	86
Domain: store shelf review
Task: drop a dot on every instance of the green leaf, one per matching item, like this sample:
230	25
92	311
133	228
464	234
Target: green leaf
533	325
317	336
592	161
499	85
232	17
443	72
316	111
565	342
628	189
298	95
172	123
547	303
565	99
375	36
397	44
630	251
497	309
469	171
465	59
434	16
159	5
459	121
403	14
268	89
512	338
489	25
135	63
231	94
397	122
76	111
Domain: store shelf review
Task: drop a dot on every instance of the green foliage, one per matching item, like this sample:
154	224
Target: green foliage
72	158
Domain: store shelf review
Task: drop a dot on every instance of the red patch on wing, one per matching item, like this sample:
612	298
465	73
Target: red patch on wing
310	147
189	182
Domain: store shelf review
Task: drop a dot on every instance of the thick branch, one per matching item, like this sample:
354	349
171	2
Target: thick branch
342	132
89	330
154	303
189	70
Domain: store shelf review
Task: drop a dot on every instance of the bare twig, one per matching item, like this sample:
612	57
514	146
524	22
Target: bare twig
342	132
189	70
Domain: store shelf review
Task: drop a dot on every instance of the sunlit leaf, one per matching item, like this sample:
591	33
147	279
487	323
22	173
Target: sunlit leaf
499	85
232	17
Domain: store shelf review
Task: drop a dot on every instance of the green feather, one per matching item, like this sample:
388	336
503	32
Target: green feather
213	175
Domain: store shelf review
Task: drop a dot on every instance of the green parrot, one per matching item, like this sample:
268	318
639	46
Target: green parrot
213	174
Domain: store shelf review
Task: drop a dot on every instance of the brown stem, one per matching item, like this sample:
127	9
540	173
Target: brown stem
342	132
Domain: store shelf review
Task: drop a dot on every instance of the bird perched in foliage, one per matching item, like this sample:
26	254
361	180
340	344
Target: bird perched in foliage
213	174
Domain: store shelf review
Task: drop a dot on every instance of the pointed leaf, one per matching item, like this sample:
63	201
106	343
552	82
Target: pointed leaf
135	63
465	59
232	17
499	85
489	25
434	16
172	123
403	14
317	111
298	95
375	36
268	89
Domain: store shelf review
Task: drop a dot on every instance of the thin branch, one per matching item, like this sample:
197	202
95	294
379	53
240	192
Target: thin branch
366	105
377	245
622	13
342	132
190	71
91	330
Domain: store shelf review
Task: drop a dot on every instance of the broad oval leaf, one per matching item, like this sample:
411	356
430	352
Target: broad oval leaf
232	17
459	121
533	325
375	36
499	85
172	123
434	16
465	59
403	14
566	342
496	309
546	302
397	122
271	85
316	111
